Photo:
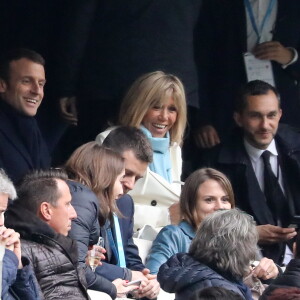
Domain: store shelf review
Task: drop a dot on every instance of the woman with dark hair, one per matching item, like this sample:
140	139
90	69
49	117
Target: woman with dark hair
220	255
96	183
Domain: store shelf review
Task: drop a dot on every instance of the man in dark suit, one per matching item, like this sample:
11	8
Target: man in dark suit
22	80
134	147
241	158
221	45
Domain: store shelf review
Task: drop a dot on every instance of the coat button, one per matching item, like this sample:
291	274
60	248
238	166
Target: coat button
153	202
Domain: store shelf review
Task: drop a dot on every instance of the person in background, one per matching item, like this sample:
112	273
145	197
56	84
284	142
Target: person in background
156	104
18	279
262	160
22	79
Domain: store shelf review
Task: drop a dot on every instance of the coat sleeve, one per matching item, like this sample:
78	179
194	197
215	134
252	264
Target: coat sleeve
25	285
86	230
126	207
167	243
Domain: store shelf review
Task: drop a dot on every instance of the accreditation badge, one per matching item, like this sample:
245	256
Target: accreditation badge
257	69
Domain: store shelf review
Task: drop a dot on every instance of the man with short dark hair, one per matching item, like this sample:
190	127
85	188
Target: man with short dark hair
42	215
22	80
262	160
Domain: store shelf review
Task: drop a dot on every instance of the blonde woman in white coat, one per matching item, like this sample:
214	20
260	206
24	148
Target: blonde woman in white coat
156	104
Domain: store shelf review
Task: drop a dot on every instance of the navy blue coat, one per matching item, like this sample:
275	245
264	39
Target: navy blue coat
14	156
184	275
85	230
18	283
133	261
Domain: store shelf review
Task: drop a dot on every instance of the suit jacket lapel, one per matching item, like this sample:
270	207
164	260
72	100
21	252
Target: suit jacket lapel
6	127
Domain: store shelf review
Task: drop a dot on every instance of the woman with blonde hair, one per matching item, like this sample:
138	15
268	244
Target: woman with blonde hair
156	104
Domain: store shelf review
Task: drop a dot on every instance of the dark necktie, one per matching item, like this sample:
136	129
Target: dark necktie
276	200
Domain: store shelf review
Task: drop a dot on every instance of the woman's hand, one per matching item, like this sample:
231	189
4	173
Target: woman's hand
266	269
122	289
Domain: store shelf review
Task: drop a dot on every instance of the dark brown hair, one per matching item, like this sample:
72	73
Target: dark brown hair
98	168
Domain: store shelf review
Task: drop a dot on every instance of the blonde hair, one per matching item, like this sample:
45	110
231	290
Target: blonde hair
149	90
98	168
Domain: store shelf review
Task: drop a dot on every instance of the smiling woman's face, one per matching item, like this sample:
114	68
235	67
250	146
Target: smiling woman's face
211	197
159	119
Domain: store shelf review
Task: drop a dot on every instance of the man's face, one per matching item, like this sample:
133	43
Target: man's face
260	119
3	207
63	212
24	90
134	170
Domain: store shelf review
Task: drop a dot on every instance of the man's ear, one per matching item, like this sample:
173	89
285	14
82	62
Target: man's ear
3	86
237	118
45	211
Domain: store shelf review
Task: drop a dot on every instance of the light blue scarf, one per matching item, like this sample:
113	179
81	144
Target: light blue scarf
161	155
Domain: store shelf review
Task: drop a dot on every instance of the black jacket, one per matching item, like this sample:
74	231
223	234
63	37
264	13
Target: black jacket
231	159
184	275
86	231
16	133
54	257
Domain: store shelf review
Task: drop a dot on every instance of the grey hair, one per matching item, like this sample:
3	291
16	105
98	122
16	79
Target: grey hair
226	239
6	186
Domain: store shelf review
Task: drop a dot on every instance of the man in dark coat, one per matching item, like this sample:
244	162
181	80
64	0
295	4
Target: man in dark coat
22	80
220	56
42	215
257	113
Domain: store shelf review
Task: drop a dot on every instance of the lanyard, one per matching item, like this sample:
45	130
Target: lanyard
121	260
252	19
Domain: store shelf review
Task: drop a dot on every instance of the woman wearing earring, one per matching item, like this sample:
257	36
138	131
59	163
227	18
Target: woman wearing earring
156	104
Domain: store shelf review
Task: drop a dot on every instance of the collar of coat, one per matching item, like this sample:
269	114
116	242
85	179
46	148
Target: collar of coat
233	151
32	228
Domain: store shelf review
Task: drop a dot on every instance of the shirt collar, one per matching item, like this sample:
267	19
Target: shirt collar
255	153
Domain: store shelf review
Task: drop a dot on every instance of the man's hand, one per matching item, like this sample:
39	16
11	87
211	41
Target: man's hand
174	211
68	110
273	51
266	269
11	240
207	137
270	234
